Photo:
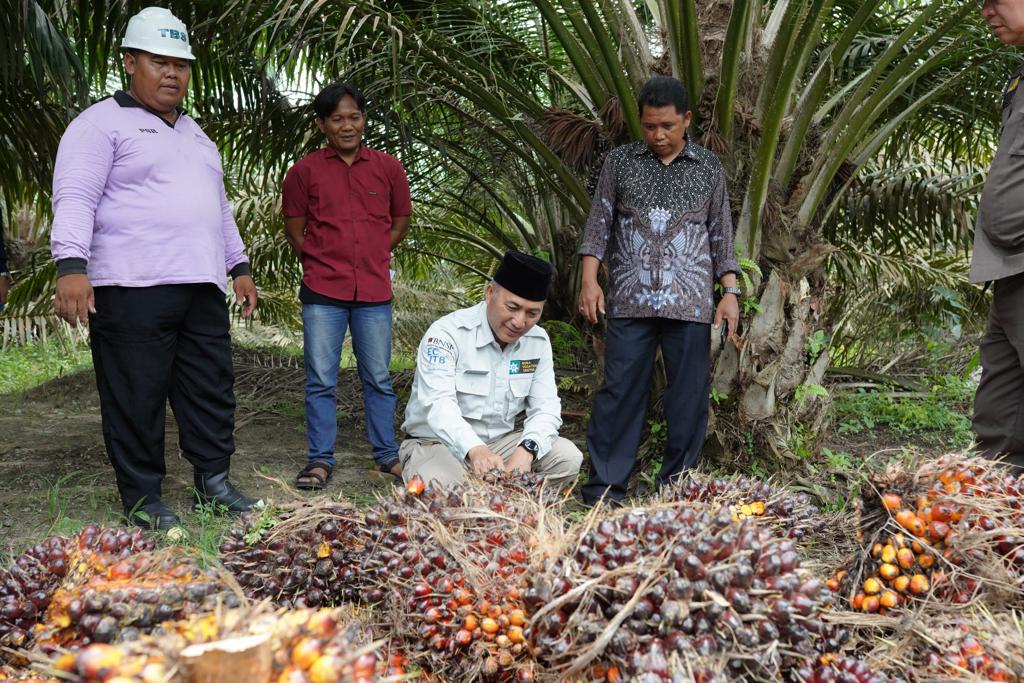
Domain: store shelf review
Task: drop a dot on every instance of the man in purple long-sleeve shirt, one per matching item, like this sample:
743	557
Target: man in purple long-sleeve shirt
144	239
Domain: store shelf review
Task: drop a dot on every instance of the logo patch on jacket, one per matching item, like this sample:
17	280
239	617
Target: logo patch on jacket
523	367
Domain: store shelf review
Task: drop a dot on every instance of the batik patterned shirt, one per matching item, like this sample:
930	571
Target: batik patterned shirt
665	232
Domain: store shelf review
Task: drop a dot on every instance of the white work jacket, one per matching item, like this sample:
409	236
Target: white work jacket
468	390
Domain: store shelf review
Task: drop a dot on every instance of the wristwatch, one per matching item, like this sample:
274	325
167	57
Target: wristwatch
531	446
733	290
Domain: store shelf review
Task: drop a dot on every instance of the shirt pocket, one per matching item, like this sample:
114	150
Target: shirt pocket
518	391
472	391
375	198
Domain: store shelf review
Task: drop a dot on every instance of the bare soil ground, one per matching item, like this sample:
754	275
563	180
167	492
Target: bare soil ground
55	476
54	471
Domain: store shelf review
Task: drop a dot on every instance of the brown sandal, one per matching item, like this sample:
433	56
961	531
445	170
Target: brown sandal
310	479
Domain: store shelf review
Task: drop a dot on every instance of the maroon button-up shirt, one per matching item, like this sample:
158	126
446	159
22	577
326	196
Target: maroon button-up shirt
348	212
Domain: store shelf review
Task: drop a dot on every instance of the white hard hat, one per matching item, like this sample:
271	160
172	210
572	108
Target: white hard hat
156	30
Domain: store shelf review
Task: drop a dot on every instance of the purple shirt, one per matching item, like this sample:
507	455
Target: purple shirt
140	201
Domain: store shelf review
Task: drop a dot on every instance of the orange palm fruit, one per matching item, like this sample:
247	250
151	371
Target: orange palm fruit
919	584
905	518
942	512
858	601
901	583
888	553
917	547
833	584
898	540
470	623
888	571
416	485
876	550
306	651
889	599
871	604
489	625
926	560
891	501
905	558
918	527
937	531
872	585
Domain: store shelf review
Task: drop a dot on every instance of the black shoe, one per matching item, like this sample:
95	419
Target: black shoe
215	490
154	516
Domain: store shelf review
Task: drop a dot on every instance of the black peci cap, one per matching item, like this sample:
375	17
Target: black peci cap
524	275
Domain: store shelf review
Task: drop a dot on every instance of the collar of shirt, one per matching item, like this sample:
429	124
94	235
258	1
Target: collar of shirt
687	153
364	153
484	334
126	100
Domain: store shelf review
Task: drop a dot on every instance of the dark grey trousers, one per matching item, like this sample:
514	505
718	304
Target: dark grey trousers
617	418
151	345
999	403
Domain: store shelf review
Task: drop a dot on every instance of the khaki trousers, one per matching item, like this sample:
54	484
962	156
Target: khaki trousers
432	460
999	403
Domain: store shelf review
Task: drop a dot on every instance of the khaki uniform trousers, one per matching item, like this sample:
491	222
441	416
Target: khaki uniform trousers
999	403
432	460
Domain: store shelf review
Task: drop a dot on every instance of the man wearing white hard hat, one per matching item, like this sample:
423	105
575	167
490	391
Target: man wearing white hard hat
144	242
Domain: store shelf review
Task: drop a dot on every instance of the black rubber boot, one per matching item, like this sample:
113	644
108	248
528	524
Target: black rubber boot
216	490
153	516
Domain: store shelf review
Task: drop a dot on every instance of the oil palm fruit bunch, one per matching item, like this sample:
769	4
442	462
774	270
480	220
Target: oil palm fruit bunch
449	563
28	585
302	646
319	647
131	597
937	531
303	555
969	658
839	669
792	514
9	674
678	579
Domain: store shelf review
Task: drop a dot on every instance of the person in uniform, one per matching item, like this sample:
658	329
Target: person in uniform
144	242
999	258
477	369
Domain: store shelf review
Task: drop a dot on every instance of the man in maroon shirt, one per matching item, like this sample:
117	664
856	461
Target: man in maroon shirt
346	207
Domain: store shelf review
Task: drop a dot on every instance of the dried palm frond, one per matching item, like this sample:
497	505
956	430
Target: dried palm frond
574	138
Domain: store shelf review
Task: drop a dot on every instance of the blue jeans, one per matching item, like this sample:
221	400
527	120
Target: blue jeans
323	333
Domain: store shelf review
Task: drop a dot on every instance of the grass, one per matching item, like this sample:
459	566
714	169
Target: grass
23	367
941	412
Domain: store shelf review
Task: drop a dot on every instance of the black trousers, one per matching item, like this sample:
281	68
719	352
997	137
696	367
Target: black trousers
617	418
999	403
151	345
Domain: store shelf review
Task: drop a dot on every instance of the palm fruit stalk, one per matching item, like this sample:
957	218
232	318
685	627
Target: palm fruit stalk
677	579
29	584
300	555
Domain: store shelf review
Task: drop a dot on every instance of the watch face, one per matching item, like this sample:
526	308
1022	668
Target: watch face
530	445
